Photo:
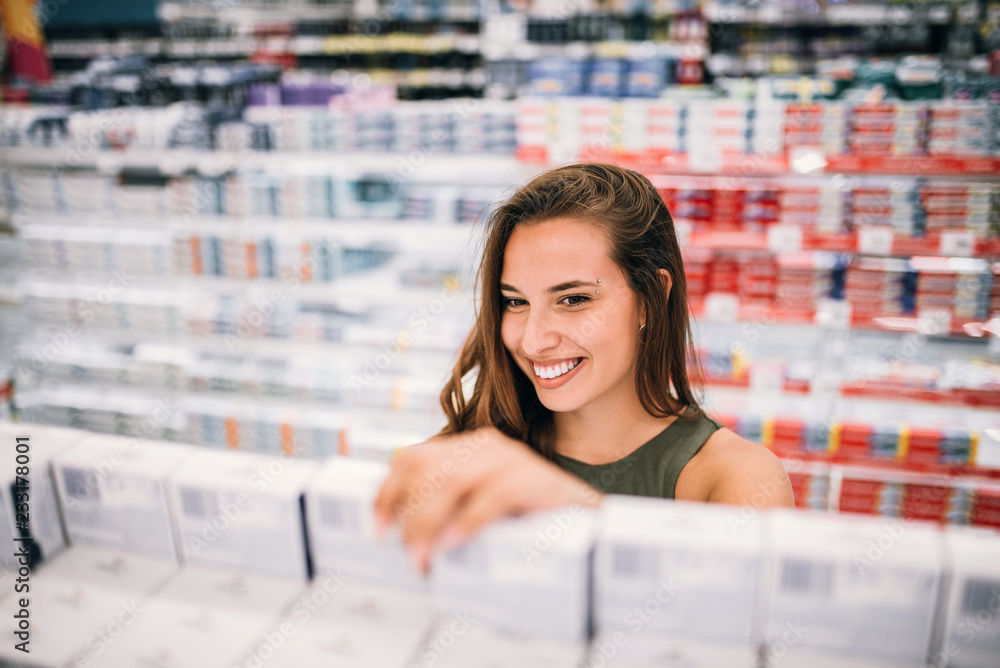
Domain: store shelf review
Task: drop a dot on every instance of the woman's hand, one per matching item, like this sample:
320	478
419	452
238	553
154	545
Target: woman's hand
443	491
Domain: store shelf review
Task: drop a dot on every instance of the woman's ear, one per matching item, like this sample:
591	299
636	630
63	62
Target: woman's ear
668	280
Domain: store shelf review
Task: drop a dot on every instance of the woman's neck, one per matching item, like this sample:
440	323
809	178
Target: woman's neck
602	434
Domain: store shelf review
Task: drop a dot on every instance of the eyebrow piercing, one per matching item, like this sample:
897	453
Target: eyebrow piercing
598	291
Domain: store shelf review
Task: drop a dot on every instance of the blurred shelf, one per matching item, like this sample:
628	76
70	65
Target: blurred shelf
844	15
932	244
959	328
749	165
235	12
470	169
386	233
529	51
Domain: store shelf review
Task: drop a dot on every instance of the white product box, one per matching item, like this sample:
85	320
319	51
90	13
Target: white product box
243	511
347	623
637	648
849	590
43	517
81	603
113	493
695	576
204	618
459	640
971	608
340	507
530	574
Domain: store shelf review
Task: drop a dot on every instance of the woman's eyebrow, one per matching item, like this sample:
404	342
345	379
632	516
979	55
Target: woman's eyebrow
568	285
572	285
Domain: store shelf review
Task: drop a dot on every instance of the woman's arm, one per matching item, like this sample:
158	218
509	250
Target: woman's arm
443	491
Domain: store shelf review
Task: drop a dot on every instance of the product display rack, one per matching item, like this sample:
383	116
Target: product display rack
880	233
275	258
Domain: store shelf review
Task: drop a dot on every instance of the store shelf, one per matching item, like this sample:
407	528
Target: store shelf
755	313
853	14
784	239
530	51
471	169
760	164
171	12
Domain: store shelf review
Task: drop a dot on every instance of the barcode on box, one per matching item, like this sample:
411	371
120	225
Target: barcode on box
76	485
637	562
980	595
198	503
806	577
340	513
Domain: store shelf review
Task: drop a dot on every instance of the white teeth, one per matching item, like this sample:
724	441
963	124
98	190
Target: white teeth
554	371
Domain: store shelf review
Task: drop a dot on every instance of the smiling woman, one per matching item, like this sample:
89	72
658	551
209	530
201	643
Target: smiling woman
581	353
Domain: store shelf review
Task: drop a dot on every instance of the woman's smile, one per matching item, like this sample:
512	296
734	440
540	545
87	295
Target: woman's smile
550	375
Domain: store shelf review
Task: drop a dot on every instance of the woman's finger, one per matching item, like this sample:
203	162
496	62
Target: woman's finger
392	490
483	505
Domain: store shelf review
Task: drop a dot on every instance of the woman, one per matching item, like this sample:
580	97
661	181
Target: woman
580	355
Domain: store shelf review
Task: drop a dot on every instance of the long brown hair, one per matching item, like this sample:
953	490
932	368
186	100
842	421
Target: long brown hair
628	209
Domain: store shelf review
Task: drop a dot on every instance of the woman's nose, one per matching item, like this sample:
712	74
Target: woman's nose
540	333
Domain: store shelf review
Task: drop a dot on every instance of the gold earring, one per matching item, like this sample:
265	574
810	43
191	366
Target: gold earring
638	333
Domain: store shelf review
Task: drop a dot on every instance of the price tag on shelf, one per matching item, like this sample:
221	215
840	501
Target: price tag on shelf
958	244
875	240
934	322
784	238
705	159
722	307
172	165
767	377
834	314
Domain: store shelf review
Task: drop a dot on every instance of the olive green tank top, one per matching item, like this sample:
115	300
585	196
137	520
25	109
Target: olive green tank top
653	468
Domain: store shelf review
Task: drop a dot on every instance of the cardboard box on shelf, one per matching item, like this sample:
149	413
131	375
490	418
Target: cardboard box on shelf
530	574
243	511
114	493
850	583
694	578
341	519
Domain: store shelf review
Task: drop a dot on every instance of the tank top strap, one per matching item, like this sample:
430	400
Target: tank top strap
675	446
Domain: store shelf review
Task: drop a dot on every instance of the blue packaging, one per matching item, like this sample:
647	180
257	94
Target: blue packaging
647	77
556	76
607	76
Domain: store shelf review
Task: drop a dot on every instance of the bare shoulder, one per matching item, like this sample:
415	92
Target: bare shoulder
730	469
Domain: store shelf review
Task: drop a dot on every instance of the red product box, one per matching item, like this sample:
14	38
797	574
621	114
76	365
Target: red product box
926	501
788	433
925	446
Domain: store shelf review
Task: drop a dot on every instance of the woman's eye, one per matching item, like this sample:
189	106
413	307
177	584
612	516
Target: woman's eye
575	300
509	303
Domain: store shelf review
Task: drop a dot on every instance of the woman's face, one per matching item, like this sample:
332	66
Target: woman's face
577	345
